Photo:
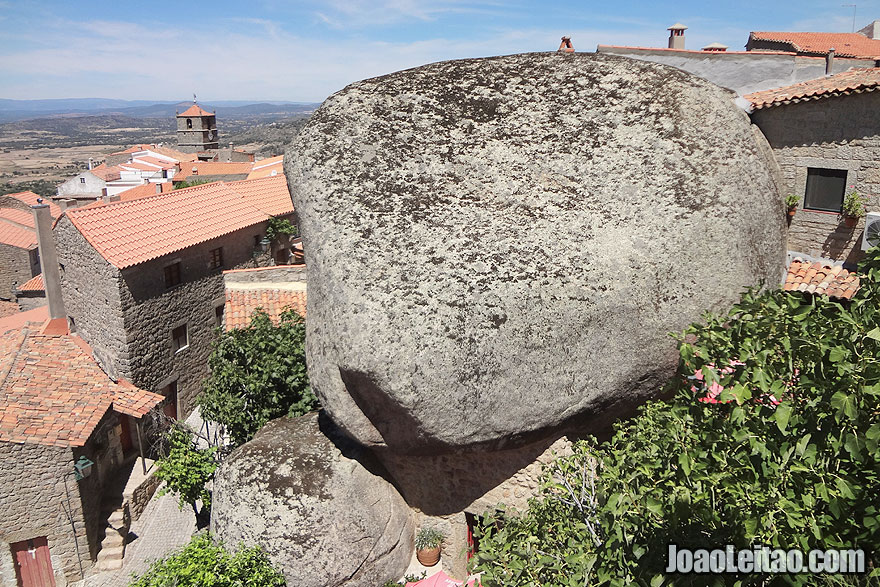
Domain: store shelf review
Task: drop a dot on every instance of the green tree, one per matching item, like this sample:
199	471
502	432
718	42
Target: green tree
186	469
206	563
771	437
258	373
279	226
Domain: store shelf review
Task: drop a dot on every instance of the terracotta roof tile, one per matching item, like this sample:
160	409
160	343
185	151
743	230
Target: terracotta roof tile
269	194
16	236
820	278
268	167
53	393
106	173
212	168
132	232
8	309
33	284
243	299
30	198
17	320
195	110
844	44
849	82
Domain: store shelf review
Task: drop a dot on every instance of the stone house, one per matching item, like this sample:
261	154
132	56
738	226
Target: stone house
65	431
142	279
825	134
19	256
89	185
31	294
271	289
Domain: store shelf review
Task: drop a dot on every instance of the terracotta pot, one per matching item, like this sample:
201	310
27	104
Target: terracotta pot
791	212
850	221
429	556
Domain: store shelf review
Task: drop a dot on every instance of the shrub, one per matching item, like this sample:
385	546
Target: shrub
186	469
428	538
771	438
203	563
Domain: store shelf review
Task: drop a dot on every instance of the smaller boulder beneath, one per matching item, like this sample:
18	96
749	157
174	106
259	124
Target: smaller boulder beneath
317	503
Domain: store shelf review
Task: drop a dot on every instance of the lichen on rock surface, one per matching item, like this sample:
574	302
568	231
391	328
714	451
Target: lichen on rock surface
499	247
317	503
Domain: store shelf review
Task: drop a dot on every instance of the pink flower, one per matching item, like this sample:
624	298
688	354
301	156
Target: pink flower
699	375
715	389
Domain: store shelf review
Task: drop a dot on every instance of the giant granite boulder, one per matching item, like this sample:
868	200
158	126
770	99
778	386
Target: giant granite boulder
308	496
497	247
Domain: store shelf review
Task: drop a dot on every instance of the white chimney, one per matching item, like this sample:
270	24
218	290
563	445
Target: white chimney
676	36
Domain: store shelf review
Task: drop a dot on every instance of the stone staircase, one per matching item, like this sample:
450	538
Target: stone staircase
115	535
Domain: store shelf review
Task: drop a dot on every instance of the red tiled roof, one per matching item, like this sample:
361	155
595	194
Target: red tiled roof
268	168
53	393
269	194
841	84
8	309
19	319
16	236
844	44
173	153
106	173
33	284
30	198
195	110
243	301
821	278
212	168
18	217
129	233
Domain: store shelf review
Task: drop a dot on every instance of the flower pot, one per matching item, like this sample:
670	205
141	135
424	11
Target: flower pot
429	556
850	221
791	213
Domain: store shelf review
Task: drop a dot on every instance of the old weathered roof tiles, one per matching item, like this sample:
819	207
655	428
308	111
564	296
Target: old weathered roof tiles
132	232
33	284
822	279
849	82
195	110
53	393
244	298
844	44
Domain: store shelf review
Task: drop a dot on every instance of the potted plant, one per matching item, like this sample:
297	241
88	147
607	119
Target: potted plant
428	541
853	207
791	204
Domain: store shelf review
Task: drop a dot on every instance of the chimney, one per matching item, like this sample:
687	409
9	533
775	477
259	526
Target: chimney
90	163
48	259
676	36
195	171
108	199
158	188
829	61
565	46
66	203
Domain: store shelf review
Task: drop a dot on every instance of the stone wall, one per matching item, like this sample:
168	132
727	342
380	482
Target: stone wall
833	133
441	489
151	312
40	497
90	287
742	72
15	269
29	300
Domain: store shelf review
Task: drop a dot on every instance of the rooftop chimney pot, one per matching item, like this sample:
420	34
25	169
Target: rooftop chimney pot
676	36
829	61
565	46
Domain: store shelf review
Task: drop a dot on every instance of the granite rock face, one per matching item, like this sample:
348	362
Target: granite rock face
324	519
498	247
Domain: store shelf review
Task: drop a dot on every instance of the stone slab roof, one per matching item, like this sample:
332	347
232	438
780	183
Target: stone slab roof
821	278
844	44
854	81
53	393
135	231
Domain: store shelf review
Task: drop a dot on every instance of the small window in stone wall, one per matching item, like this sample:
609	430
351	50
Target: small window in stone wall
82	180
218	316
216	258
189	123
172	275
179	338
825	189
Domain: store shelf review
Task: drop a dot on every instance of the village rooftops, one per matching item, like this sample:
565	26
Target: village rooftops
136	231
53	393
198	169
17	224
268	167
106	173
159	150
844	44
822	279
854	81
33	284
272	289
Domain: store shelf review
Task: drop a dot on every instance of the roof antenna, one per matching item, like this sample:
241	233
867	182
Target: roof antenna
854	14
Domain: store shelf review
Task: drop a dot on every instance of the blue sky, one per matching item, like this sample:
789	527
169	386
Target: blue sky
304	51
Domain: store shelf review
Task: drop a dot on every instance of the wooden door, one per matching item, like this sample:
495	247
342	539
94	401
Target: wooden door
125	433
170	393
32	565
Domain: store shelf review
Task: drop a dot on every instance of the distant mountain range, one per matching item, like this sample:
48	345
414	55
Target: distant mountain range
11	110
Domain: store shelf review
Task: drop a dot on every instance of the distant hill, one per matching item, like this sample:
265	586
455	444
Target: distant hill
13	110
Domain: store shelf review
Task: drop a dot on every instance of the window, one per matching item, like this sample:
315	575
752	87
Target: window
179	338
169	408
172	275
189	123
82	180
216	258
218	316
257	239
825	188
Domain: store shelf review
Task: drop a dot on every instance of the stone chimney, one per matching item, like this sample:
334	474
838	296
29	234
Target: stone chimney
676	36
565	46
829	61
49	260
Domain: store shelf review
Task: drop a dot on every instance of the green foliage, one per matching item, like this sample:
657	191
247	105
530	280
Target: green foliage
279	226
41	187
258	374
186	468
190	183
854	204
792	201
428	538
205	563
771	438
